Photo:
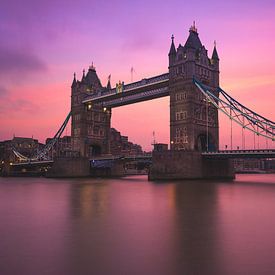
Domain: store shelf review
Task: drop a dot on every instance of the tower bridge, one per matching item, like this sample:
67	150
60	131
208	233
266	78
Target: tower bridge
192	85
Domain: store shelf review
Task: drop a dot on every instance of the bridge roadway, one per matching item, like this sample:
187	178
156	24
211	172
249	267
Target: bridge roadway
261	153
32	162
229	154
145	89
234	154
108	161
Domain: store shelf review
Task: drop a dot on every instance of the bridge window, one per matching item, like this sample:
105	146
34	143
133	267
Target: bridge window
77	117
181	139
185	138
96	130
76	132
181	115
181	96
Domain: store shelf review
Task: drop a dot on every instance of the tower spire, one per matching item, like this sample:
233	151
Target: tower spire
109	83
215	55
193	28
83	76
74	80
92	67
172	48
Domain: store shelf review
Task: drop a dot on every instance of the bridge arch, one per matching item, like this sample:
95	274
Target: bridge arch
202	140
95	150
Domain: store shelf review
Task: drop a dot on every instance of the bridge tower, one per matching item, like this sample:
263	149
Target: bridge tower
193	121
90	124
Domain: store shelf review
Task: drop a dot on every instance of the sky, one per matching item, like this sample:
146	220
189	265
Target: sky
42	43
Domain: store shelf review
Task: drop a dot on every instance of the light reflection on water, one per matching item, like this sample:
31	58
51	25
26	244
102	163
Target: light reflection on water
132	226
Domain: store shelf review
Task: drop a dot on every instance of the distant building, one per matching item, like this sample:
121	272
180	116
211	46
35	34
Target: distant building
119	145
26	146
62	147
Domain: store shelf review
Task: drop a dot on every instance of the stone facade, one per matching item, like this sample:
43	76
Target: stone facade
183	164
194	125
90	124
191	117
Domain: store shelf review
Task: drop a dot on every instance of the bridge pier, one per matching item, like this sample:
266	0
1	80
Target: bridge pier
69	168
180	164
113	171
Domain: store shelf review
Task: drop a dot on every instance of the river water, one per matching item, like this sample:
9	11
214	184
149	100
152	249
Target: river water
132	226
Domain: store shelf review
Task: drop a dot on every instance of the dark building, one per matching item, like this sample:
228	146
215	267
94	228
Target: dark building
189	111
62	147
28	147
119	145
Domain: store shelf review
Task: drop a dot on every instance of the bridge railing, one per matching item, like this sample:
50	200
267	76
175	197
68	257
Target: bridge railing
131	86
237	112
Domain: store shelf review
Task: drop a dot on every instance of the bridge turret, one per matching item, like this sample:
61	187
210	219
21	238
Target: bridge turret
83	76
109	87
91	79
74	82
216	66
90	123
193	123
172	53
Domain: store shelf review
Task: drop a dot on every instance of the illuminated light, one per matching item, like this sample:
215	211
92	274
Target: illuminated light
89	106
11	163
172	142
2	162
104	109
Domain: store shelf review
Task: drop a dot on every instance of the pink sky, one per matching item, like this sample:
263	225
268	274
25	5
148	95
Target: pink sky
43	44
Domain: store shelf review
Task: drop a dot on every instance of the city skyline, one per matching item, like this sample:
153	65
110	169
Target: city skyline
44	44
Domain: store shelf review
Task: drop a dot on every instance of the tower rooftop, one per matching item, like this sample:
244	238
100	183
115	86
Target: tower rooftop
193	40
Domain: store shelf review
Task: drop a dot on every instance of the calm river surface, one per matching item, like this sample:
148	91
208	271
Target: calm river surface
132	226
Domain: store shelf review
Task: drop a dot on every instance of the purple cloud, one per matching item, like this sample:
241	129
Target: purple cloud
19	106
3	92
19	61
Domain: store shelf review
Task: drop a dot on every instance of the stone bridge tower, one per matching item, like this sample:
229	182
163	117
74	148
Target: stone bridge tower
193	121
90	124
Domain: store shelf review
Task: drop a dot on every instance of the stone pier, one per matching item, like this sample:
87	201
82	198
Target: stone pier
69	167
181	164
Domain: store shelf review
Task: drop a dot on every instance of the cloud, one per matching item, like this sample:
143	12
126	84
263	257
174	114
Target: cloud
18	106
17	61
3	92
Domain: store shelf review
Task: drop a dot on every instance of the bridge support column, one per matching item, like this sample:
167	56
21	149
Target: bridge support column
69	167
179	164
114	171
220	168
